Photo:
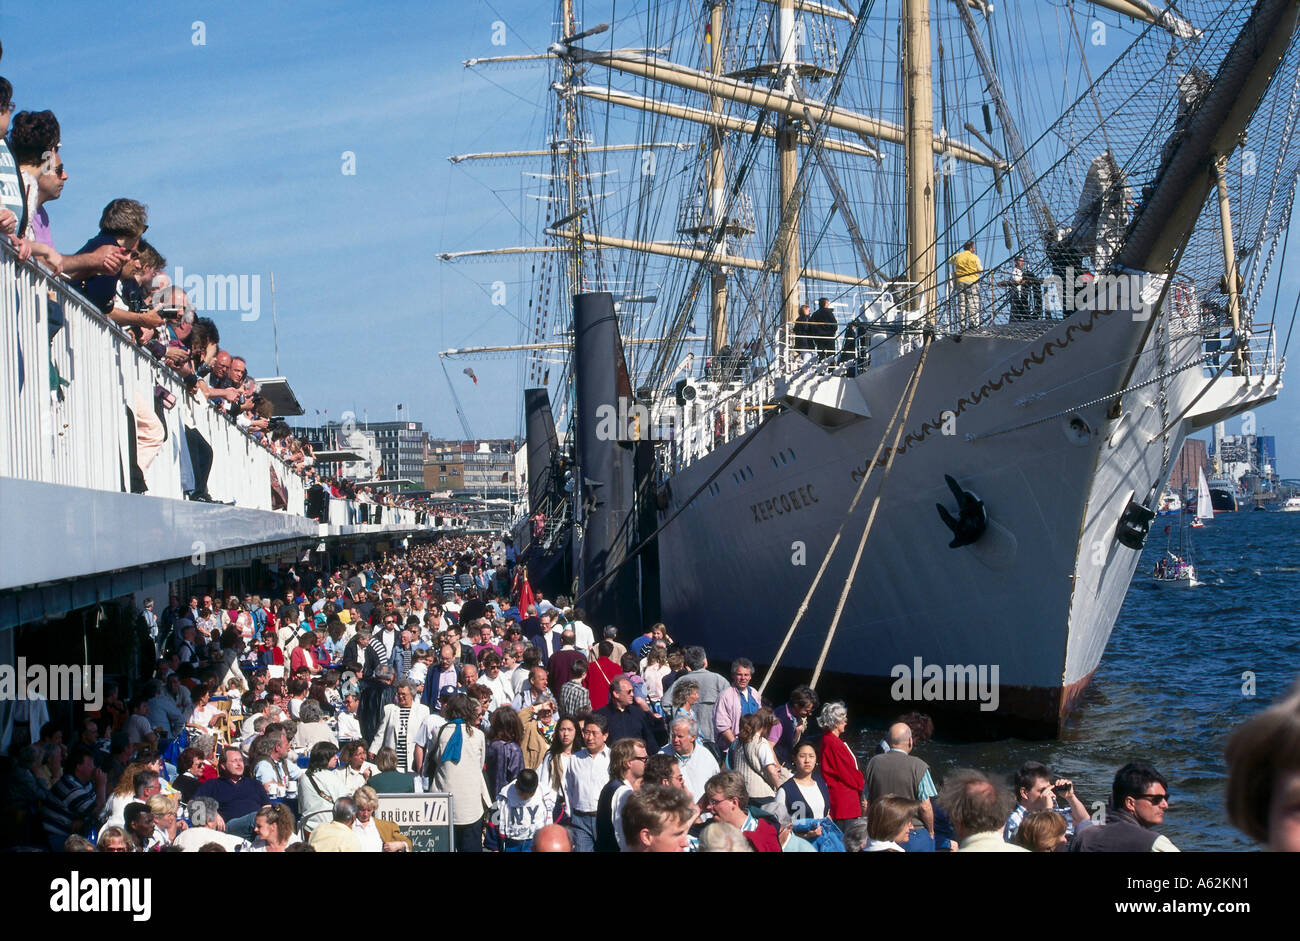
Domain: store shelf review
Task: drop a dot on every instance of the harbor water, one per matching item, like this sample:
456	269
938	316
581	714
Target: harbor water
1176	678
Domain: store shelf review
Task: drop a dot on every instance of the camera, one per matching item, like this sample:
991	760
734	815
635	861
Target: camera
170	313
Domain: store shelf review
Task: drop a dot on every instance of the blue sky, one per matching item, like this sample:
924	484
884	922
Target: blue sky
237	148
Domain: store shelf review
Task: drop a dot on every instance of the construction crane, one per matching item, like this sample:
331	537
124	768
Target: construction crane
460	412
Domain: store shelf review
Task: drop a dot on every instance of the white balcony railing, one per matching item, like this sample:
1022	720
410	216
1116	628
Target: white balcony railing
66	392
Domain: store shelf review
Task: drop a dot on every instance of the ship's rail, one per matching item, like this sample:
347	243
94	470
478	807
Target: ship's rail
70	377
735	393
1258	355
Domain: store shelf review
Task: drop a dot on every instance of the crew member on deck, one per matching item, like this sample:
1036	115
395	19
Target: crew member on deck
1023	296
825	326
966	270
804	331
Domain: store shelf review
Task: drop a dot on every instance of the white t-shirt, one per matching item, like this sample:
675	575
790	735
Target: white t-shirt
544	782
259	846
620	801
520	818
429	730
583	637
502	690
812	798
518	677
355	779
195	838
368	836
138	729
349	727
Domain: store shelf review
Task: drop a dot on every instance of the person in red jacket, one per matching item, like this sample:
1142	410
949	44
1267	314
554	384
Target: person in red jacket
844	780
727	798
601	674
304	655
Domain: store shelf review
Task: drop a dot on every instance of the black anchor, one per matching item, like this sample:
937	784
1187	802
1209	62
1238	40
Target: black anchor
971	520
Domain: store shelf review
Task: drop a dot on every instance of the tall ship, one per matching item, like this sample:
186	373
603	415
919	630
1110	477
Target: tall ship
1043	265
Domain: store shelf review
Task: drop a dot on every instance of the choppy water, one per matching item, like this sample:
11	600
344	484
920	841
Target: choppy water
1169	688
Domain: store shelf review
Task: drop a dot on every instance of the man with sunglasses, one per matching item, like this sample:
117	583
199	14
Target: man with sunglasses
1139	798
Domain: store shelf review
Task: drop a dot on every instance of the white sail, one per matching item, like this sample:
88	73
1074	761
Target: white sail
1204	511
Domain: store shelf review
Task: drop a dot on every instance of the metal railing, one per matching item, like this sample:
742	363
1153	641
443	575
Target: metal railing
69	376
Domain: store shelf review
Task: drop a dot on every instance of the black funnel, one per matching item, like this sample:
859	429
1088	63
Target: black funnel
606	468
539	426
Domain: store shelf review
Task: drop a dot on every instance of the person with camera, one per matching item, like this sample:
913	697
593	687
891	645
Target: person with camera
189	359
1037	789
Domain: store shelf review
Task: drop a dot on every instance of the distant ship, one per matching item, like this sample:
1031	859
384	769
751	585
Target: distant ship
1223	495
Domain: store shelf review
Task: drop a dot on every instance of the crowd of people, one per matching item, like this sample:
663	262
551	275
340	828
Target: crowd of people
278	721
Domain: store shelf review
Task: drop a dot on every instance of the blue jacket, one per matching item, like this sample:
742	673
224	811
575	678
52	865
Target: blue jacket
789	795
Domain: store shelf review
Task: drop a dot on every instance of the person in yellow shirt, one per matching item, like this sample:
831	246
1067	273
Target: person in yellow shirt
966	270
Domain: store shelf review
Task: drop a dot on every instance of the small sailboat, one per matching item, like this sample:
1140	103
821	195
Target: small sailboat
1176	569
1204	508
1175	572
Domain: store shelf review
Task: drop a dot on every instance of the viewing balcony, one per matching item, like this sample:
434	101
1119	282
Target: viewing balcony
69	377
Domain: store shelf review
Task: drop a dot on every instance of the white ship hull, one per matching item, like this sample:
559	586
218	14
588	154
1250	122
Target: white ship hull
1036	596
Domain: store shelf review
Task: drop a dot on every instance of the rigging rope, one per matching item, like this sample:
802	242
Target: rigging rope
871	518
895	423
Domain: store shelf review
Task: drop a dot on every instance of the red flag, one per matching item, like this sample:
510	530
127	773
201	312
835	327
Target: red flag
469	372
523	592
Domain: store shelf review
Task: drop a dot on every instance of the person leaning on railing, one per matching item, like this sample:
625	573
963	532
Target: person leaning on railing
122	223
188	358
34	141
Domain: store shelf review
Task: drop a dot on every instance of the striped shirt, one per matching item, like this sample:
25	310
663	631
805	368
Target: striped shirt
1018	816
70	800
383	644
402	660
403	721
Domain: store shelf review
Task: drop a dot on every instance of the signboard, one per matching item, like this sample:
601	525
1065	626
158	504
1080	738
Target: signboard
425	818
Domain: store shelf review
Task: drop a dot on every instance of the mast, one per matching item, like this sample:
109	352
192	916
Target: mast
1230	277
568	27
717	186
918	129
787	148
